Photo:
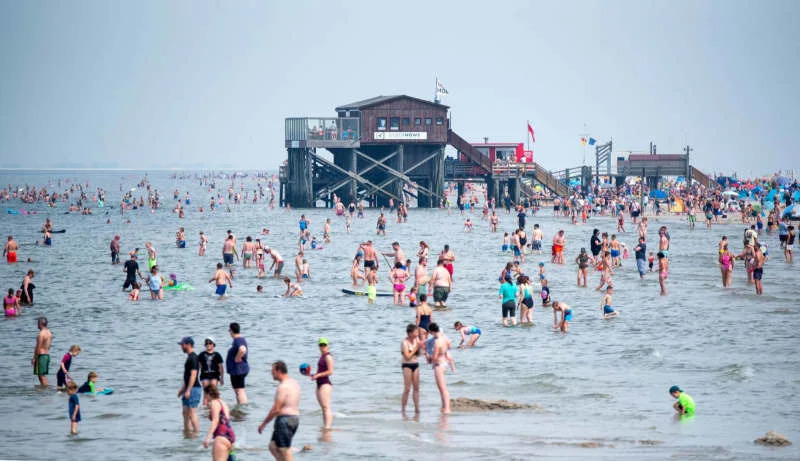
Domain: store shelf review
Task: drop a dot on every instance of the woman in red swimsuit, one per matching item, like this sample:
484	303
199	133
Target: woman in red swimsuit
220	430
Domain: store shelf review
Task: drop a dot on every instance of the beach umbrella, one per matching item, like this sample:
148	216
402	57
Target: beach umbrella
756	206
730	193
769	205
658	194
771	194
796	196
743	194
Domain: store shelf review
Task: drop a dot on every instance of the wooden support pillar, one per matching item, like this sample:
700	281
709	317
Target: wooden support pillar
352	189
491	188
299	189
460	185
513	189
399	165
435	181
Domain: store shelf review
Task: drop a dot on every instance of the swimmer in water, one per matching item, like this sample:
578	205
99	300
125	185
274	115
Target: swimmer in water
292	289
222	280
605	304
663	269
134	294
474	334
566	316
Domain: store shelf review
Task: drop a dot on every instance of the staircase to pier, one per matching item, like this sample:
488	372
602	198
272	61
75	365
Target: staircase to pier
700	177
539	172
474	155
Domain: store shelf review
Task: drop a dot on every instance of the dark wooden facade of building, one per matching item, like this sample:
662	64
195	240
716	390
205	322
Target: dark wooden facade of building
379	148
386	147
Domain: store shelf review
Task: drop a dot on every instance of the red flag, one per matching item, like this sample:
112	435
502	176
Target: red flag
530	130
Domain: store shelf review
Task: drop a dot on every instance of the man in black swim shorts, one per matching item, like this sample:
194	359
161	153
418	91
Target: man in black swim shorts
285	411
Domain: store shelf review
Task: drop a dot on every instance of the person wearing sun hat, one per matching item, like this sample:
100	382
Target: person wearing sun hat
685	403
324	385
212	369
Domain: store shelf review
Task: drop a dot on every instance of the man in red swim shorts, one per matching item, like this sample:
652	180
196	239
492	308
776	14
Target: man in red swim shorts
10	250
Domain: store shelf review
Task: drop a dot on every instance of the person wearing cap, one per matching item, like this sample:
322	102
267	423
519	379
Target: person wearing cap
685	403
324	385
131	268
508	293
211	367
189	393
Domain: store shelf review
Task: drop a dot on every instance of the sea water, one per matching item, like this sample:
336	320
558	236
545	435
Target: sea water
600	390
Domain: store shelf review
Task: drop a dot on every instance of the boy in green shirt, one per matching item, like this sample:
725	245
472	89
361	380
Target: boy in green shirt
685	403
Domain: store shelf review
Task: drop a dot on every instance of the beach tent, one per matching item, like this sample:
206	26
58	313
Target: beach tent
658	194
792	211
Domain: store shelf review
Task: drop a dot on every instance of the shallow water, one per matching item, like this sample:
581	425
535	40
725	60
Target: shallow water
602	387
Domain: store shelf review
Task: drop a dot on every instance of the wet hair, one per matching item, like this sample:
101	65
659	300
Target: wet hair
422	260
398	265
75	348
410	328
458	324
91	375
660	255
42	321
423	297
11	292
439	262
72	387
433	327
235	327
219	265
280	367
286	279
213	391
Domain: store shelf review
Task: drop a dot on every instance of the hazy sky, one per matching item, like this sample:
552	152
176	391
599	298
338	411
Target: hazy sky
202	84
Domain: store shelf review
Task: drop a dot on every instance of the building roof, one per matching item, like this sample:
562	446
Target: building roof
383	99
648	157
496	144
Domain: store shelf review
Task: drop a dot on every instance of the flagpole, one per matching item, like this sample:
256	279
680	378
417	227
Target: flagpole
528	134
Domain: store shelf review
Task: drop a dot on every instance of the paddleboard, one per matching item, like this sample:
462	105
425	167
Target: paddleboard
60	231
105	391
362	293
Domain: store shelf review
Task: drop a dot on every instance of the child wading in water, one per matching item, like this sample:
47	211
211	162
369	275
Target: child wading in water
605	304
74	407
63	377
473	332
